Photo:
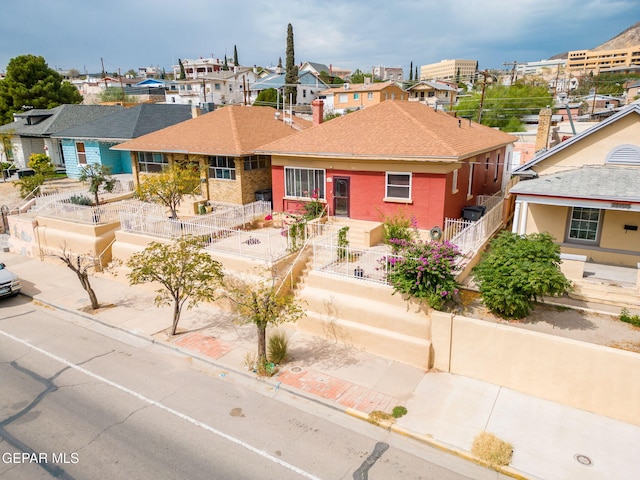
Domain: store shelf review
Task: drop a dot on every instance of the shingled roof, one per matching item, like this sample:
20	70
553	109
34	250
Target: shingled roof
233	130
130	123
393	129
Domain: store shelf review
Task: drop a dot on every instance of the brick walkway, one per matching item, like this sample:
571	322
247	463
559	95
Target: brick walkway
205	344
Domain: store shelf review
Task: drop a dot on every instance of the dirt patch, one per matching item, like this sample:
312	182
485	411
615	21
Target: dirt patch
586	326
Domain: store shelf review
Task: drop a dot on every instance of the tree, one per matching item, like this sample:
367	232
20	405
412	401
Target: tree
30	83
262	304
268	96
187	274
517	270
501	103
97	175
183	74
115	94
73	73
169	187
358	76
235	56
80	265
291	74
43	169
225	65
411	71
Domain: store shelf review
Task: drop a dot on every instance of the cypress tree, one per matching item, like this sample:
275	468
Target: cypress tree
235	56
291	75
411	72
183	74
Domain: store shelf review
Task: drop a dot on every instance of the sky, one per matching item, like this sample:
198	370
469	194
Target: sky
350	34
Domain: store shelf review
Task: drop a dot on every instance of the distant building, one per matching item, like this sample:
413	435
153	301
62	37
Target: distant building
455	70
541	67
197	68
388	73
587	61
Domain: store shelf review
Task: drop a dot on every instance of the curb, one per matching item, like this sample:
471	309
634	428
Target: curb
428	440
276	385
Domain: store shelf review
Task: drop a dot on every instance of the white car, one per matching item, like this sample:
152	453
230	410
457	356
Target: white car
9	282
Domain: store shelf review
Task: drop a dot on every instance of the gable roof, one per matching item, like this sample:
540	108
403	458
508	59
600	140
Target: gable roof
591	182
277	80
525	169
233	130
318	67
46	122
359	87
130	123
427	84
393	129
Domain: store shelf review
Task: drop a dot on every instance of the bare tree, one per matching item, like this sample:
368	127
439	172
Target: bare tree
81	265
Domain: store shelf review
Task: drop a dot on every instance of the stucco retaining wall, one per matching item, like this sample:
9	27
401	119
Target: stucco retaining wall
591	377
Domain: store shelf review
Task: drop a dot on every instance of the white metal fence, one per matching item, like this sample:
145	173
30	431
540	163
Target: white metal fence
362	264
106	213
469	235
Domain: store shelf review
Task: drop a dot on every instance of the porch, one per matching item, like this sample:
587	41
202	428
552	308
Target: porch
597	282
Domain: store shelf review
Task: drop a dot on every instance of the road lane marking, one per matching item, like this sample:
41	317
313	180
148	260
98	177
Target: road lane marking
170	410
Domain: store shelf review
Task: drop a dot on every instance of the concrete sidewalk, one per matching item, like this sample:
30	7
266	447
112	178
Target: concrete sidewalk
447	411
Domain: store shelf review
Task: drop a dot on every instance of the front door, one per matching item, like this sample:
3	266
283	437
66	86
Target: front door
341	196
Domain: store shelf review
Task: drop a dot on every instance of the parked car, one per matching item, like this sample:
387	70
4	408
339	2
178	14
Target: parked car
9	282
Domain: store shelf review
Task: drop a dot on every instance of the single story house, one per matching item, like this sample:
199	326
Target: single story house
91	142
585	192
390	156
223	144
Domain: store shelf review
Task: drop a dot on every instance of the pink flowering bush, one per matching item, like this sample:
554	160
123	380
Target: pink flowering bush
424	270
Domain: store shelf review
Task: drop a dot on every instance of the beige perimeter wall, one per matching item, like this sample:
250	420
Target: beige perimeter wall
591	377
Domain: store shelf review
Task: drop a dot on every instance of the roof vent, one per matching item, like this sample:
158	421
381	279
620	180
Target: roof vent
625	155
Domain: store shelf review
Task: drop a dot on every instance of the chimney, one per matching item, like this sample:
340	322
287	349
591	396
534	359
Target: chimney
544	128
318	111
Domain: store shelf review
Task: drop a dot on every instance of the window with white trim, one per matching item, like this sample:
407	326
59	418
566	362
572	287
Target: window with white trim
304	182
370	96
584	224
149	162
470	187
398	185
342	98
496	172
81	153
356	96
222	168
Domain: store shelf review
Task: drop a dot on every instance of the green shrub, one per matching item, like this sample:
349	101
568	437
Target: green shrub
398	411
517	270
41	164
492	450
343	242
80	200
399	227
424	270
30	184
628	318
278	347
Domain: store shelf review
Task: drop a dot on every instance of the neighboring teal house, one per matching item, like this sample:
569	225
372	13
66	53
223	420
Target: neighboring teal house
91	142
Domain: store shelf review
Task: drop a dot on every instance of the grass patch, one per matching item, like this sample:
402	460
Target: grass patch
626	317
492	450
378	416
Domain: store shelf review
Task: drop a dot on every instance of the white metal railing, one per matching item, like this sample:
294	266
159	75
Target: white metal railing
362	264
106	213
223	216
469	235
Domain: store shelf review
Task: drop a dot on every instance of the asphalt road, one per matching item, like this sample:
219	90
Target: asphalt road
78	405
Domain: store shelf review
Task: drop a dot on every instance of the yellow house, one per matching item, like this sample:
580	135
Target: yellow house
222	143
586	192
354	96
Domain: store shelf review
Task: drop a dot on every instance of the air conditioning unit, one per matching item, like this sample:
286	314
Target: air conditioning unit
346	86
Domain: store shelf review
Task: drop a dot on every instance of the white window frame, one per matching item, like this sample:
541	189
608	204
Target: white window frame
408	187
369	95
470	187
343	98
496	172
454	182
82	156
585	221
294	186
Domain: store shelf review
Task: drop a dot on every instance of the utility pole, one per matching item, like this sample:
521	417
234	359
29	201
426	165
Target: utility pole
514	76
595	91
121	87
485	74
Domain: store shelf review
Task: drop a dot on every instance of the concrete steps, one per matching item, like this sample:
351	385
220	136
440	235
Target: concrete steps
366	315
621	296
